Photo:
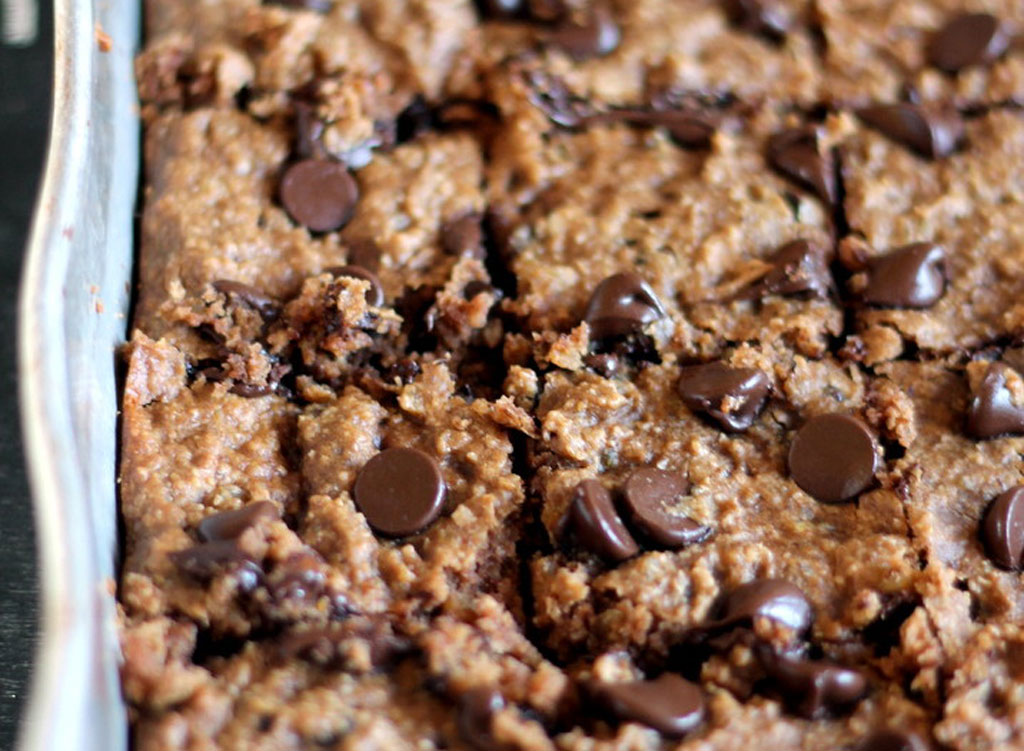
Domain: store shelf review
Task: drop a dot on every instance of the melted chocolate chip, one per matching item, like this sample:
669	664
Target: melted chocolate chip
551	96
1002	529
774	599
364	253
318	6
309	129
500	9
931	131
229	525
795	154
263	304
670	704
464	236
596	36
913	276
605	365
595	525
209	559
758	17
319	194
813	687
689	128
400	491
992	411
833	457
651	500
326	644
732	397
893	740
622	304
299	578
476	710
375	294
798	267
967	39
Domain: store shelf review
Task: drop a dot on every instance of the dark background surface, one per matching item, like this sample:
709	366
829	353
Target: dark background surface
25	85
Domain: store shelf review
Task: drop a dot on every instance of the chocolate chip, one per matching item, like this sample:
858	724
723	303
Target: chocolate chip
1002	530
798	267
604	365
263	304
774	599
621	304
595	525
299	578
596	36
475	718
651	500
319	194
991	411
692	129
318	6
670	704
833	457
893	740
913	276
931	131
732	397
795	153
500	8
967	39
375	294
813	687
209	559
464	236
364	253
327	644
229	525
400	491
758	17
551	96
309	129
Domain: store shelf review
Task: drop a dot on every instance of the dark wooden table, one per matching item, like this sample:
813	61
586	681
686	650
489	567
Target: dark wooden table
25	84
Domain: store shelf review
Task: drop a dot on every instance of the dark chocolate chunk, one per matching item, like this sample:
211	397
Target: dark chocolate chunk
400	491
991	411
651	497
299	578
476	710
798	267
813	687
670	704
732	397
229	525
263	304
596	36
464	236
622	304
774	599
319	194
1002	530
833	457
967	39
913	276
364	253
209	559
758	17
595	525
375	294
931	131
795	153
893	740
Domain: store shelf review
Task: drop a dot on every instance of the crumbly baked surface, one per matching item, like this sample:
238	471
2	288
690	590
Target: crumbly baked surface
526	375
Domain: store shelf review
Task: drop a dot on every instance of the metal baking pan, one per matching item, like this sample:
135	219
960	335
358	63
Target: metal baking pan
72	317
